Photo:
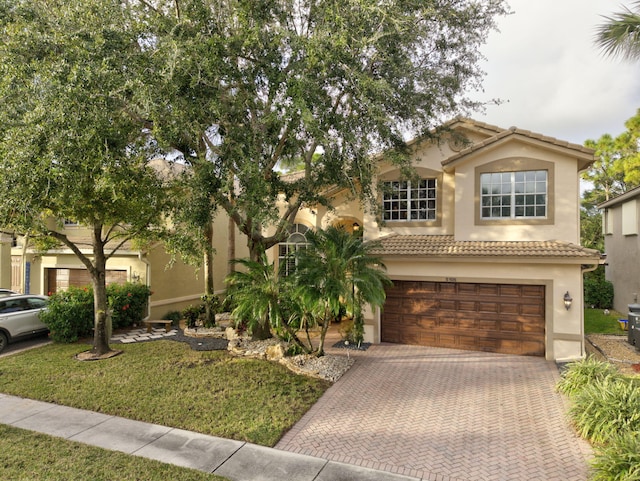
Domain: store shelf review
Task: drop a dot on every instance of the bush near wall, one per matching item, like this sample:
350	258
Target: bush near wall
128	303
70	315
598	292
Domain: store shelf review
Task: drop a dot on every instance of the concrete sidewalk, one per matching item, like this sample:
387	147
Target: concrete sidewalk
235	460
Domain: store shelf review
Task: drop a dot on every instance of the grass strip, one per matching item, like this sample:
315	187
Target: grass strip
29	456
597	322
167	383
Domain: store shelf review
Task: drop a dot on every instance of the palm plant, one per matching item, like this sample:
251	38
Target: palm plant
620	35
265	300
338	266
256	293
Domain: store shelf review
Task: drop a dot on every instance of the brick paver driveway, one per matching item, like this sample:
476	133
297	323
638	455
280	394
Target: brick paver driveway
446	415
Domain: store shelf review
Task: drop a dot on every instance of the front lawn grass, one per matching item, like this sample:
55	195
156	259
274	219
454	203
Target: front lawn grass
597	322
167	383
27	456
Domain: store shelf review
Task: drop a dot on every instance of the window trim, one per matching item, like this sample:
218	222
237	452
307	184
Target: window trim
421	173
516	164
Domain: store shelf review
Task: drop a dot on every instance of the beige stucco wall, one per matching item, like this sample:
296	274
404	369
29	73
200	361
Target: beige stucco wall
623	257
564	328
565	216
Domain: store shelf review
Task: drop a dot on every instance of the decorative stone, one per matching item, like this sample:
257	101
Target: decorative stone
231	333
275	353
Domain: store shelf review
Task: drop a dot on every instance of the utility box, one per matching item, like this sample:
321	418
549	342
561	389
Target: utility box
633	333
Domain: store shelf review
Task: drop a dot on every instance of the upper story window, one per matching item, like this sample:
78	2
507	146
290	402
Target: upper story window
288	248
404	200
70	223
513	195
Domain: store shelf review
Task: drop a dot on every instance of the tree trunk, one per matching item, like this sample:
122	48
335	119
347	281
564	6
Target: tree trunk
231	245
102	320
261	331
210	315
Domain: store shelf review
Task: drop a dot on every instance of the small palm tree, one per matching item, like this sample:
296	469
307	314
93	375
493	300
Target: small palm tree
620	35
266	300
256	294
338	266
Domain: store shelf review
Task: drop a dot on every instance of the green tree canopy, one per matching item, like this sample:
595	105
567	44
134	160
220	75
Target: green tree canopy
248	86
617	165
71	145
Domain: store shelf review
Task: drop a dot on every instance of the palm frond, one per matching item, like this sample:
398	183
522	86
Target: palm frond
620	34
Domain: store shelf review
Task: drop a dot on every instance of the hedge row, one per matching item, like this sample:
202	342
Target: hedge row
70	315
606	411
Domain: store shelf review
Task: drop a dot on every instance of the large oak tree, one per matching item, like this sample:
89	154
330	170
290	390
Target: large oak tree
71	146
248	86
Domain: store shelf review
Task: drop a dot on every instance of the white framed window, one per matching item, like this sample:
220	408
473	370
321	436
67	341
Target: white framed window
405	201
287	249
513	195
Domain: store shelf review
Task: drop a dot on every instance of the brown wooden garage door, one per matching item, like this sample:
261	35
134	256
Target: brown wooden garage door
503	318
61	279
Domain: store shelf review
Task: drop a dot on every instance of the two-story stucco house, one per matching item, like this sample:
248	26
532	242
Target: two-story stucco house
620	227
483	247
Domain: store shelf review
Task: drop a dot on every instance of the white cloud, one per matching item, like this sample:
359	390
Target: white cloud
554	80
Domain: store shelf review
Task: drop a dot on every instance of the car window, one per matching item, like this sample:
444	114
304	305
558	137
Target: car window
36	303
13	305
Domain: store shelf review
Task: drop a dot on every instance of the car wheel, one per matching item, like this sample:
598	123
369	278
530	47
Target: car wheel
3	341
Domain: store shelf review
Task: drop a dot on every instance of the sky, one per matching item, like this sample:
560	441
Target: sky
552	78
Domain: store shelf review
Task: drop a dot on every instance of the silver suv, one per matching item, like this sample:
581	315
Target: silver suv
19	317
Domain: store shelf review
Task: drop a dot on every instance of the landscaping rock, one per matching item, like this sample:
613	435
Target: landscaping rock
275	353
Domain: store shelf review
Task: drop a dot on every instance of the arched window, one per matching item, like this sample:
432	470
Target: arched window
287	249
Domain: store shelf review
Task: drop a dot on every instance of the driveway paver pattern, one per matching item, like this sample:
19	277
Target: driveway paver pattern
445	415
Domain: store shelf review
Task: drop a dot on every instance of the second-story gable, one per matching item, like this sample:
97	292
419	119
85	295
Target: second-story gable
486	183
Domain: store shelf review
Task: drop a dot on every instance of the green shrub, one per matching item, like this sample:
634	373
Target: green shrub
174	316
128	303
192	313
69	314
606	408
619	459
580	374
598	292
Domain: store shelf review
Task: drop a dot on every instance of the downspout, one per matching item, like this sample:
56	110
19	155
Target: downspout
587	268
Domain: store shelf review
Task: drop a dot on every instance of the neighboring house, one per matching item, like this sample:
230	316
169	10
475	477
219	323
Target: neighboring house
622	246
483	246
175	285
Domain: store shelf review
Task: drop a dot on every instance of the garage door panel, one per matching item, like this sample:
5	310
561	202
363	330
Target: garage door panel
510	291
510	309
486	317
447	304
488	324
488	307
470	306
532	310
513	326
533	291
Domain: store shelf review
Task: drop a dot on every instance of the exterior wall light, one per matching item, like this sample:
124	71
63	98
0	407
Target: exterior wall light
567	300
